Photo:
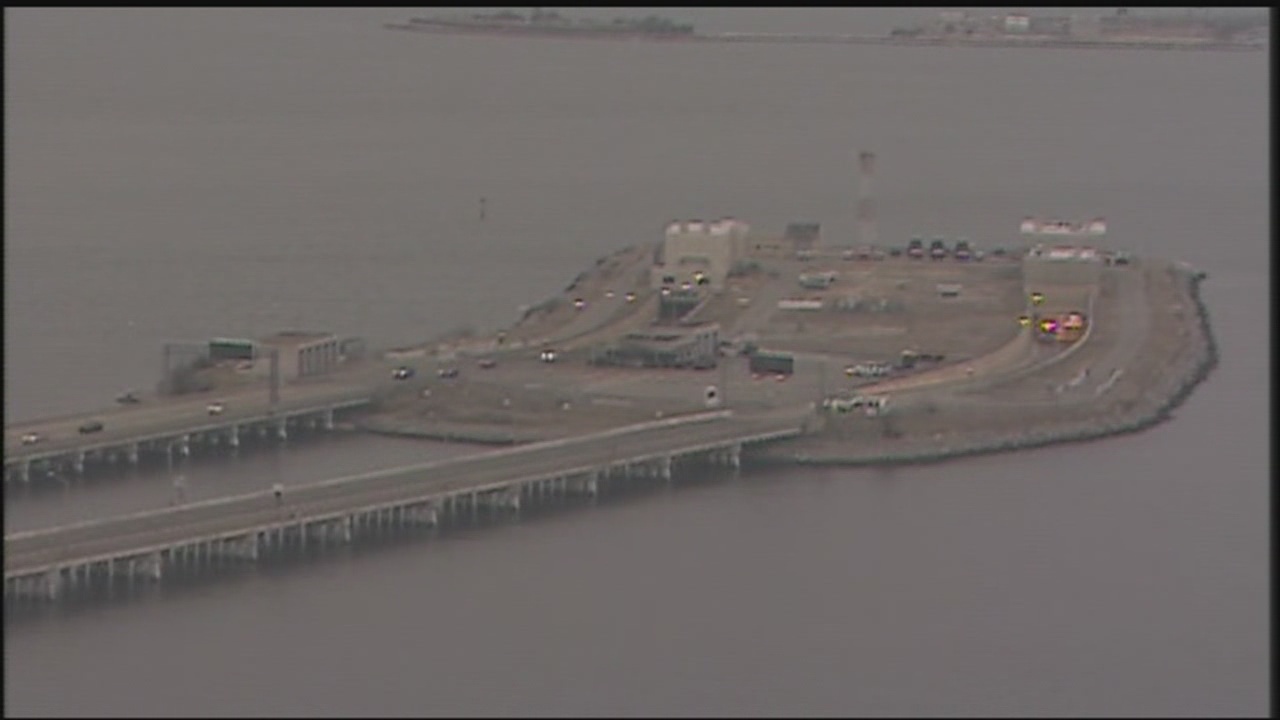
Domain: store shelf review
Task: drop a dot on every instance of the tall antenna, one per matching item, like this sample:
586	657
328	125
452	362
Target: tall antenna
866	203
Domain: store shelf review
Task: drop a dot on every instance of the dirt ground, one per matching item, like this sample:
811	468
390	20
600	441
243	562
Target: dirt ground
900	308
982	318
549	410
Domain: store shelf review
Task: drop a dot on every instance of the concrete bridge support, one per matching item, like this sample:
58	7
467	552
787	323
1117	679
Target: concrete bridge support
144	567
233	436
282	433
326	420
184	446
52	584
131	453
26	588
509	499
587	485
504	499
664	468
730	456
237	549
77	462
327	531
421	514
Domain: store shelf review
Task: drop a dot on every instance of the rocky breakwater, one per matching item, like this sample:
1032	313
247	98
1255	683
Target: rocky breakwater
1135	398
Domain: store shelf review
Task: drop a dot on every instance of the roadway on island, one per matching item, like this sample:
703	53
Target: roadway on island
1127	324
29	551
157	414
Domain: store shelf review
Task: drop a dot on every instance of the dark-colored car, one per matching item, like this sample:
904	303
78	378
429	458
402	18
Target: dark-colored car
402	373
91	426
915	248
487	363
449	372
963	251
937	249
895	252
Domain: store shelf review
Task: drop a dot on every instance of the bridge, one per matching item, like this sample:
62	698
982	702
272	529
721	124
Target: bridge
48	563
166	427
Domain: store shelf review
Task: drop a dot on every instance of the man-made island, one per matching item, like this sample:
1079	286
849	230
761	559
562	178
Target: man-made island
712	346
1188	29
926	348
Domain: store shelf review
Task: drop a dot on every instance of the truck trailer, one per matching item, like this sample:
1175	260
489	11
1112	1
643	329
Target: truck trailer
778	363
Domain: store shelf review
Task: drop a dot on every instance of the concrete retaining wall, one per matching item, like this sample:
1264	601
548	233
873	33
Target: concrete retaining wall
1154	406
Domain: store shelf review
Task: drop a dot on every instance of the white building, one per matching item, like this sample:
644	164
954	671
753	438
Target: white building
695	250
1017	23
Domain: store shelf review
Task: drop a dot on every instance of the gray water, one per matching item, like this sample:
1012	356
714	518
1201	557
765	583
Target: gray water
177	174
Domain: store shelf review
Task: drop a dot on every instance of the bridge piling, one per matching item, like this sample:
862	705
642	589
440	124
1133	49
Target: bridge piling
53	584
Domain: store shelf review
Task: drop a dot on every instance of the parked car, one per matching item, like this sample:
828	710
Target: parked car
937	249
402	373
867	370
631	297
91	426
128	398
915	248
579	303
962	251
30	438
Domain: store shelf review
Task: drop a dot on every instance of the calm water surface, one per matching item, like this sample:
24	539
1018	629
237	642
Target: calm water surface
176	174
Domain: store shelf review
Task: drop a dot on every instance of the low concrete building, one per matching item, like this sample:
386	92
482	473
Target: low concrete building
302	354
699	252
676	347
803	235
236	349
1062	265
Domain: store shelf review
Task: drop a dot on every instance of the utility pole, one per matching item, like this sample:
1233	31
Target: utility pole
166	384
822	381
274	396
723	380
